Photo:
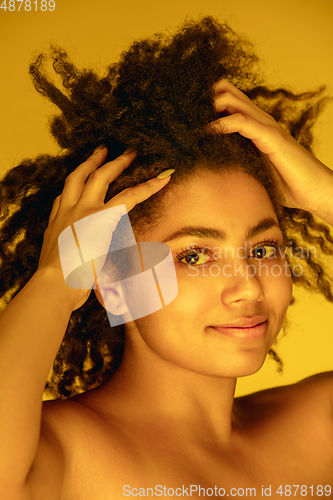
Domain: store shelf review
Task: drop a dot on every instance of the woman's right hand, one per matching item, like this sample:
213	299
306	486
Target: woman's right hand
83	195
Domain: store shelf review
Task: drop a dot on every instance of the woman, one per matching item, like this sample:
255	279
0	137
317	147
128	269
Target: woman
235	214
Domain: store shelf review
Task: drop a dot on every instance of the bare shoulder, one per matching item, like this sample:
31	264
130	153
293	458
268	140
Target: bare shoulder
296	419
57	433
312	395
321	384
317	389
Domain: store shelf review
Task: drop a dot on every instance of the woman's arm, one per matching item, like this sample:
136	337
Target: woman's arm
31	330
33	324
304	181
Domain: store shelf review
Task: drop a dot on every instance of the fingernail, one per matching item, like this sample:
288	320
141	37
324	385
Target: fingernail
99	148
166	173
128	150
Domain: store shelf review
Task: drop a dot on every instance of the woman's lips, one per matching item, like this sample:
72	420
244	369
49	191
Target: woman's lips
252	332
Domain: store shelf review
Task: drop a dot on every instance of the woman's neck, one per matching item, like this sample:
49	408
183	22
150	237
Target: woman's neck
151	389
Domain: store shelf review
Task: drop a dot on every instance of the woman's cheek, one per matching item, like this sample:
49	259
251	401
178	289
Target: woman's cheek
278	284
193	292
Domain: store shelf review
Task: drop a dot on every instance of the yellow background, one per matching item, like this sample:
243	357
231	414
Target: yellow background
295	39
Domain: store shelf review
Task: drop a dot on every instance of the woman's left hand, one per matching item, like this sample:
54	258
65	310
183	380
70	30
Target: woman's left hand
304	181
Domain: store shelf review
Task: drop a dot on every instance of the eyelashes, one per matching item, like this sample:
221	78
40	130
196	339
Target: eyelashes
274	248
195	255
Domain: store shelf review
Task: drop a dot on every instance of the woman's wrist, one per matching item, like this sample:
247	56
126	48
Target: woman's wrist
324	209
52	278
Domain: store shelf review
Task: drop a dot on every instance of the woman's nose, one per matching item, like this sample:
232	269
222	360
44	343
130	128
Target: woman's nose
241	283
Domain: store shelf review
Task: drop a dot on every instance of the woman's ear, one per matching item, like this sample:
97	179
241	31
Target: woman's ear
112	299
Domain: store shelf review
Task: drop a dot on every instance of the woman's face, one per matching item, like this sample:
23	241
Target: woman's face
224	234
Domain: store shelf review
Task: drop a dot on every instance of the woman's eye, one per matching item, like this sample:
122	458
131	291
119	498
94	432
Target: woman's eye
195	257
265	252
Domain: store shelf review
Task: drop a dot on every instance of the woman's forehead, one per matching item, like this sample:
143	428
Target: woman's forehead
230	193
229	203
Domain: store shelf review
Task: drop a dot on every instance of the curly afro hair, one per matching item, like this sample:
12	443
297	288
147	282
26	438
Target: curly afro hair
156	99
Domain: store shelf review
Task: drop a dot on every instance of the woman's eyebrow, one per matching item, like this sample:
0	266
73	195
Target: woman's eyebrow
216	234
